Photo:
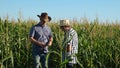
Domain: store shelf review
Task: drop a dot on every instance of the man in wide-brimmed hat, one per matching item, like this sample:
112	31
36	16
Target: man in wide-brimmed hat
70	43
41	37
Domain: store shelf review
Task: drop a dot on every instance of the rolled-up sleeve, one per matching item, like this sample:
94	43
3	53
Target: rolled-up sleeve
50	34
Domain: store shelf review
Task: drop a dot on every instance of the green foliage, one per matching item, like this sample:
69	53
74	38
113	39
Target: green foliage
99	45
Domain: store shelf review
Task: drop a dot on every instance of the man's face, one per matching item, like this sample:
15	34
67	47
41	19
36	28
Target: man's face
45	19
65	28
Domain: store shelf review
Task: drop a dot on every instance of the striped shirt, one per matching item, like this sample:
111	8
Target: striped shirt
70	38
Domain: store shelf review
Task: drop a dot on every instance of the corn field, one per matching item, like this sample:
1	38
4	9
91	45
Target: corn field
99	44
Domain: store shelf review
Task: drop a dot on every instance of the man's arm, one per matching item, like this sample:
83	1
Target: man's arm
37	42
50	39
31	35
69	48
73	44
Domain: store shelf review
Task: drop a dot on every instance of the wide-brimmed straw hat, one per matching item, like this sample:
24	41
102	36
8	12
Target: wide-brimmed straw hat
65	22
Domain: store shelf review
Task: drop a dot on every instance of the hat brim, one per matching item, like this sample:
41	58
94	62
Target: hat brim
48	17
38	16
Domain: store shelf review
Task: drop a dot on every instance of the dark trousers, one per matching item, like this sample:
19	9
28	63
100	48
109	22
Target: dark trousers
69	65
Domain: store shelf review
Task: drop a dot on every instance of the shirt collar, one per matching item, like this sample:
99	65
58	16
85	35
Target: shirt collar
39	24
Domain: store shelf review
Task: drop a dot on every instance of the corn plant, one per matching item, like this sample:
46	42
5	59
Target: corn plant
98	44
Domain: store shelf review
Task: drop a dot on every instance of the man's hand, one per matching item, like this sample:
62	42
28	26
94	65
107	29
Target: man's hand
42	44
49	43
37	42
69	48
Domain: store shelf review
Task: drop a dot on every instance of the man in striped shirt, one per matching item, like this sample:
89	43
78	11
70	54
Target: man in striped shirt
70	43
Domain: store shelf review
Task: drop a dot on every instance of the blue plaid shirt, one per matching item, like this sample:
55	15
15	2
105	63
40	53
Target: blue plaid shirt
42	34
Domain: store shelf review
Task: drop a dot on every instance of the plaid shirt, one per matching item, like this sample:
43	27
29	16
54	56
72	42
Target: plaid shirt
42	34
71	38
